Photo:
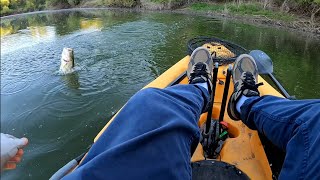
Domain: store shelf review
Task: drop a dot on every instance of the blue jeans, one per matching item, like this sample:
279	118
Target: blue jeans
156	131
293	126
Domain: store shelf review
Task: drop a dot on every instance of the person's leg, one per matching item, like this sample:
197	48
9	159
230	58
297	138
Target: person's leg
153	135
292	125
150	138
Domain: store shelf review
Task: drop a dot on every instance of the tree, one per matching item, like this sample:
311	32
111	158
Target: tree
4	3
284	7
57	3
315	8
74	2
312	7
30	5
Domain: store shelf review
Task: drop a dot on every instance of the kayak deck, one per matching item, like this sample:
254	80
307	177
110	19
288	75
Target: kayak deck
243	148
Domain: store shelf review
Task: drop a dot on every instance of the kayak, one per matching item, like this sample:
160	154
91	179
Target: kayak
229	149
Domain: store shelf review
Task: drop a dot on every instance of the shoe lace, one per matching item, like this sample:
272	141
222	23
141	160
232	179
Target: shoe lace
249	82
199	69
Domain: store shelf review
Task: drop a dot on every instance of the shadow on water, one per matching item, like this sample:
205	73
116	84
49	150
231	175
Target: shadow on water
120	52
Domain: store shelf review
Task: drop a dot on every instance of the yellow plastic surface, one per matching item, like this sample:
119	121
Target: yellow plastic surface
243	148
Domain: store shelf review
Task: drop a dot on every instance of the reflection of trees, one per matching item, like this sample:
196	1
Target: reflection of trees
91	23
44	32
21	23
66	22
6	30
71	80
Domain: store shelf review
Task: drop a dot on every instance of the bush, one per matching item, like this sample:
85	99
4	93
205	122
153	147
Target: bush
56	3
244	9
30	6
207	7
121	3
160	1
5	11
4	3
74	2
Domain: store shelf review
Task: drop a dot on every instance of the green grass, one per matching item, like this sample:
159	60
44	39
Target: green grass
243	9
207	7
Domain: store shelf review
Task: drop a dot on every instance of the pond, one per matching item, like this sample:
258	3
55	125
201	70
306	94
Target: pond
117	53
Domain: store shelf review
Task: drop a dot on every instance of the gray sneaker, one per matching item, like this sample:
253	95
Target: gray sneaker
244	76
200	67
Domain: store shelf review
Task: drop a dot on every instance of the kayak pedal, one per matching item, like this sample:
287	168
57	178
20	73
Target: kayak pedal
213	141
208	139
213	92
225	94
215	132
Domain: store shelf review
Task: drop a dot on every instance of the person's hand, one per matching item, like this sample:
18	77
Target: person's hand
11	151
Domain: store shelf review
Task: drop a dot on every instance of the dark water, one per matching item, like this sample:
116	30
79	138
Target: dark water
117	54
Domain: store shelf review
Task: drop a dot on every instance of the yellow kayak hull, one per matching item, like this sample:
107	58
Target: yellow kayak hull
243	148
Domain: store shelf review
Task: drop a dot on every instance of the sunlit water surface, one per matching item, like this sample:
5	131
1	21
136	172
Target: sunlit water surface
116	53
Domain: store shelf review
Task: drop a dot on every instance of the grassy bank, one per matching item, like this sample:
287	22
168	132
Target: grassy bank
250	9
274	9
258	14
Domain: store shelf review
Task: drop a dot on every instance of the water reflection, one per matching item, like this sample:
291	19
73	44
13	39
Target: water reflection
71	80
37	27
91	24
41	33
6	30
118	52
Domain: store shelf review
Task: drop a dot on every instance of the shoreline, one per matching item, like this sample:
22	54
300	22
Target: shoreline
247	19
256	21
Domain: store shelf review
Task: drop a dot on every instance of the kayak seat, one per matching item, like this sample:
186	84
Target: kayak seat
218	170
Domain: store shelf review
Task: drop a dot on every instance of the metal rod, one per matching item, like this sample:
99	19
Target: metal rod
69	166
213	92
279	86
225	94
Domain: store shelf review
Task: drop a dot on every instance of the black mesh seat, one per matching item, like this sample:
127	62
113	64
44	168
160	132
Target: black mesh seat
211	169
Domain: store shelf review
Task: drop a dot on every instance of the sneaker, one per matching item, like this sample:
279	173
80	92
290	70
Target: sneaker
244	76
200	67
